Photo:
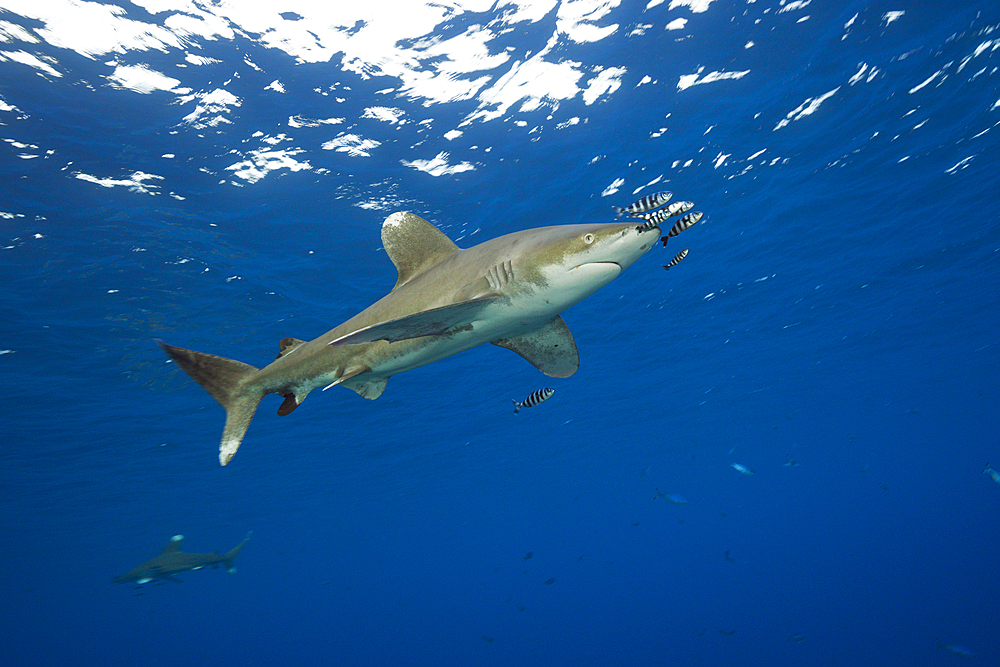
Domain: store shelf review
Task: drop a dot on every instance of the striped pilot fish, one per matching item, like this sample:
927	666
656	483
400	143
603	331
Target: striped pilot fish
687	221
672	209
656	217
647	203
534	398
677	259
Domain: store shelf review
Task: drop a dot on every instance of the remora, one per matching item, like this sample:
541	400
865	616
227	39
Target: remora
508	291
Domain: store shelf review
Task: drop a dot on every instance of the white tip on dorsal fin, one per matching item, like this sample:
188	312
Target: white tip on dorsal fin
414	245
174	544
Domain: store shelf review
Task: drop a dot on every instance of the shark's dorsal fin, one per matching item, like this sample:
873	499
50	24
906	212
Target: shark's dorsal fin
550	348
287	345
174	545
414	245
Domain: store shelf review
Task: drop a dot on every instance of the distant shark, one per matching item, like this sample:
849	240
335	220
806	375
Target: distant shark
508	291
173	561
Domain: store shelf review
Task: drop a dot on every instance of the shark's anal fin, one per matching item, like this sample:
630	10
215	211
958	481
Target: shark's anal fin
434	322
414	245
550	348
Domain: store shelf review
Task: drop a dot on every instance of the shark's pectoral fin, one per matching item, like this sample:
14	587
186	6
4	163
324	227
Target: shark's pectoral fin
550	348
434	322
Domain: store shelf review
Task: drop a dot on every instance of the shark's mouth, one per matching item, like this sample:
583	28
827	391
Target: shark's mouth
605	271
603	263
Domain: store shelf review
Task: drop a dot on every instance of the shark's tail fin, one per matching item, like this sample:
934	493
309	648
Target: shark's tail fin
226	380
228	558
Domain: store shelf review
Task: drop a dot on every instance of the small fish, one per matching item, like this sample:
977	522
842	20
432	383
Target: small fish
646	226
956	649
687	221
675	498
789	461
797	637
743	470
647	203
994	475
677	259
534	398
729	557
655	218
528	555
548	582
670	211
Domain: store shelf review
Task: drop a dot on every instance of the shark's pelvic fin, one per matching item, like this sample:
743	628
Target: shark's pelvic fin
550	348
227	381
414	245
433	322
370	388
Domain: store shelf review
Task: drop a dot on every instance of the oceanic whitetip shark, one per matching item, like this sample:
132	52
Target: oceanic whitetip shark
508	291
174	561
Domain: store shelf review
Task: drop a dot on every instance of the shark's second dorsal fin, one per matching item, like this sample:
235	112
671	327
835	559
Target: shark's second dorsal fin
288	345
414	245
174	545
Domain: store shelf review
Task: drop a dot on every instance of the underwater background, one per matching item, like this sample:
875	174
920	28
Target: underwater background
215	174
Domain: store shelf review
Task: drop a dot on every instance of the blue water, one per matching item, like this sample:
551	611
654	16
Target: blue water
839	309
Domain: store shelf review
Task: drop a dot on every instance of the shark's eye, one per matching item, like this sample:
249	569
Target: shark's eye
588	238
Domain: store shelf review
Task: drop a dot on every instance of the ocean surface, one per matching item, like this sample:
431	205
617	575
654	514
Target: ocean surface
216	174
